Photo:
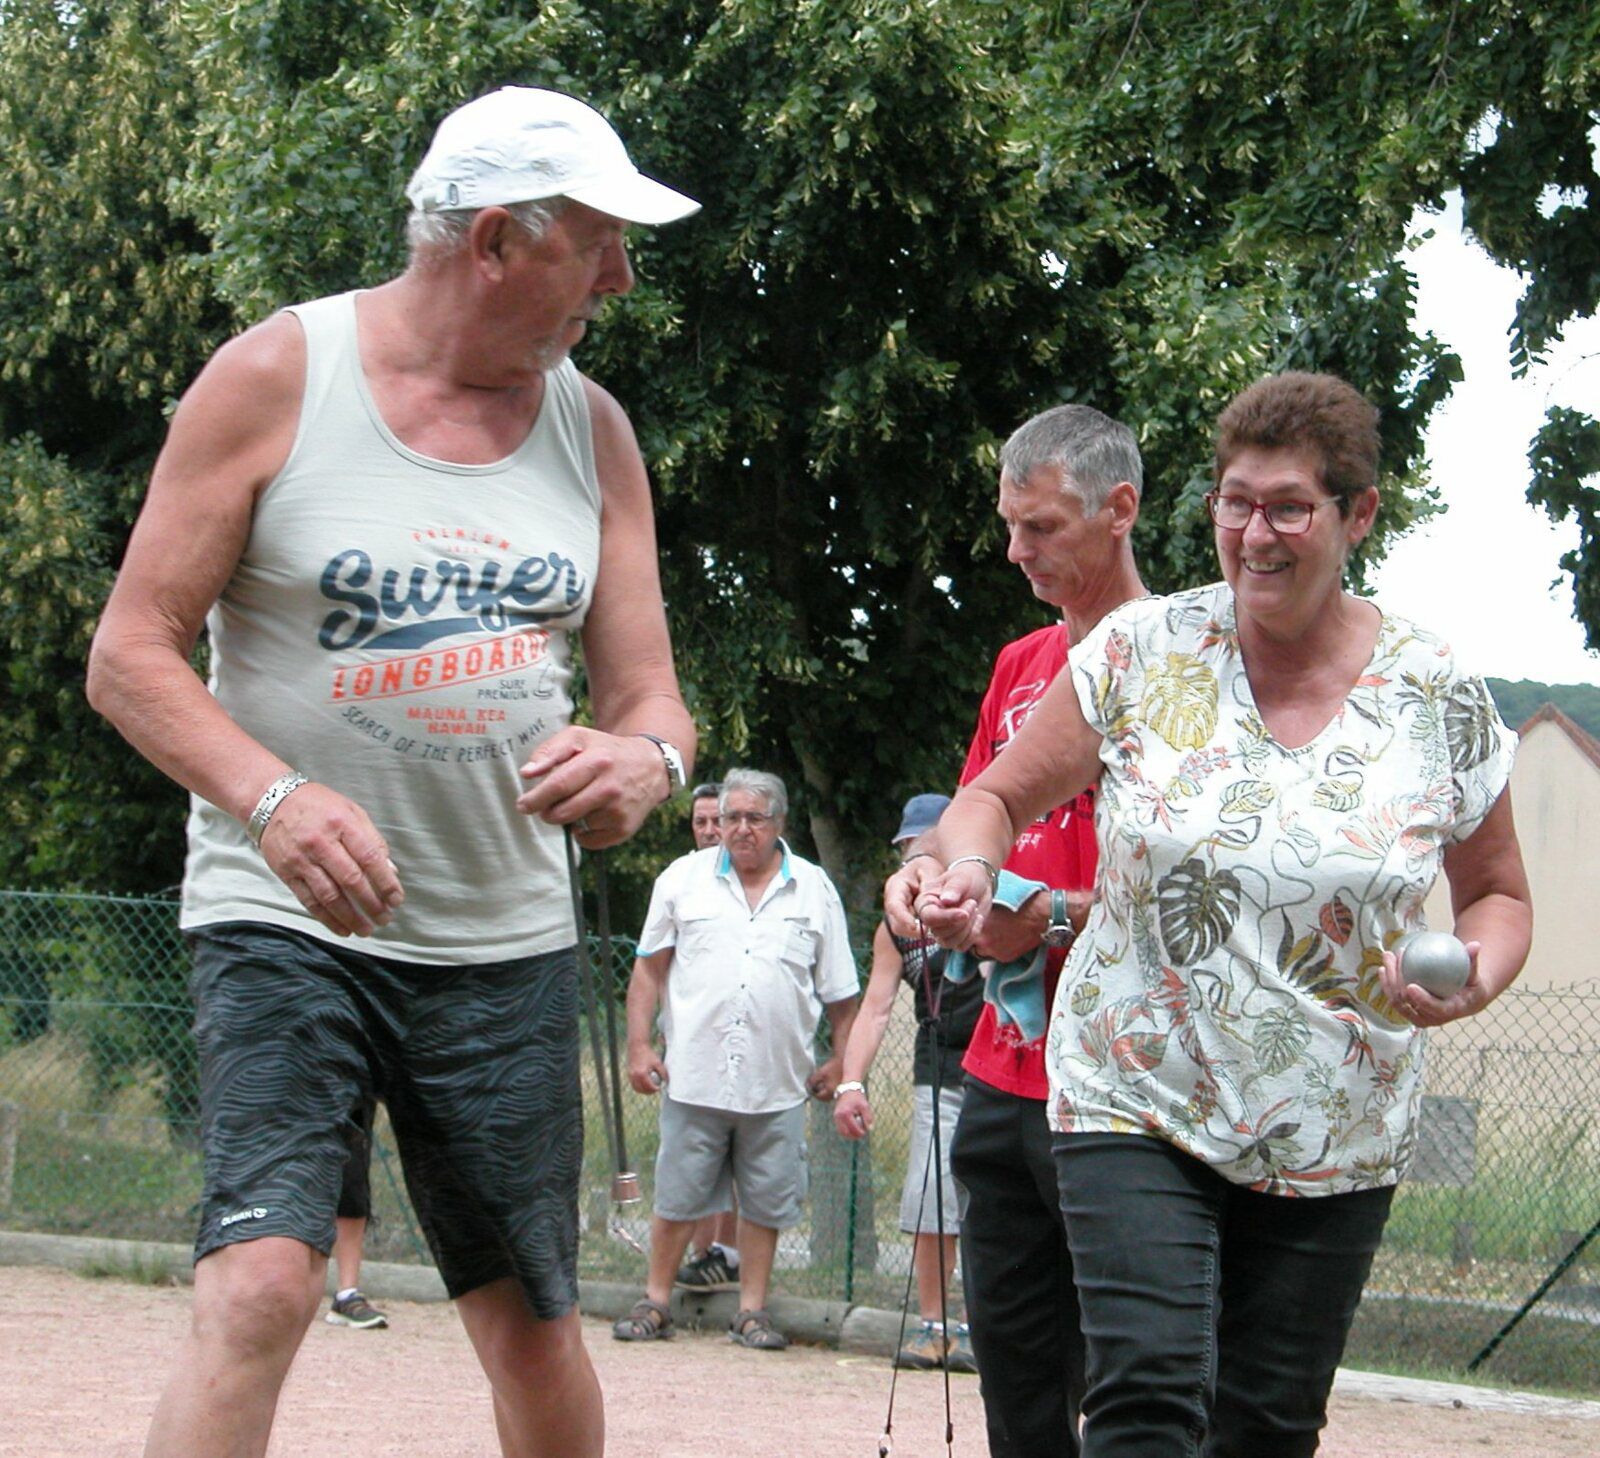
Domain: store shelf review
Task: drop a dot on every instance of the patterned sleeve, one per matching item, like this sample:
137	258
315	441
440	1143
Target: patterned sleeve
1099	668
1482	749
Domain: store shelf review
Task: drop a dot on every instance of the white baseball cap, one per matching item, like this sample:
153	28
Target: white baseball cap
521	144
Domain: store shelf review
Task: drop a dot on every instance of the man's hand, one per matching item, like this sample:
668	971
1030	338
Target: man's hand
822	1083
901	890
647	1074
603	785
955	906
1008	936
852	1115
325	849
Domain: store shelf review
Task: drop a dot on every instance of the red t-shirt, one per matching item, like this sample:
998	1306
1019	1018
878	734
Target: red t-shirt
1058	848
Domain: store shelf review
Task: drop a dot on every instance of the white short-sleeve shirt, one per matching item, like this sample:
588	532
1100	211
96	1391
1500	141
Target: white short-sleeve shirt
1225	995
745	988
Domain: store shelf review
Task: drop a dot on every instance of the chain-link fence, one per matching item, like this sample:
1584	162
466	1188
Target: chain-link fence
1504	1185
98	1136
99	1111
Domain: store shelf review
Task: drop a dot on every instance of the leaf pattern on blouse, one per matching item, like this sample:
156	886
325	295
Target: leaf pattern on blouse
1180	702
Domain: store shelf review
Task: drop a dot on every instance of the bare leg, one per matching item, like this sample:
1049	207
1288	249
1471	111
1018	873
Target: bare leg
546	1396
252	1304
925	1256
350	1234
758	1246
721	1229
705	1231
669	1239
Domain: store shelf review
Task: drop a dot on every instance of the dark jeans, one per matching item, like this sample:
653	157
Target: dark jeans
1214	1315
1017	1276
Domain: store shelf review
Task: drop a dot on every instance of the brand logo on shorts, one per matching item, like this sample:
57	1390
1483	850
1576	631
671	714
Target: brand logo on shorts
258	1213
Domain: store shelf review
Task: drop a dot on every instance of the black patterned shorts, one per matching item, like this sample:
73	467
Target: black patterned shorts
477	1065
355	1180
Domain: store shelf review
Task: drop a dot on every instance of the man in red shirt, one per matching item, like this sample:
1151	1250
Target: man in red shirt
1069	495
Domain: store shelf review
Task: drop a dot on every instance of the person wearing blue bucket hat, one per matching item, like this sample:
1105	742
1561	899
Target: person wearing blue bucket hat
946	1015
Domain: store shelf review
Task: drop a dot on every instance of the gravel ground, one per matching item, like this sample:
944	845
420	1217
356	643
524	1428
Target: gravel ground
82	1361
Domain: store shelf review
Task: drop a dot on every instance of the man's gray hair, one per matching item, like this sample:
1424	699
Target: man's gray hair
434	235
756	782
1092	451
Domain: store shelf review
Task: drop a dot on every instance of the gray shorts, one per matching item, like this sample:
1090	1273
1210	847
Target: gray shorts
918	1213
706	1154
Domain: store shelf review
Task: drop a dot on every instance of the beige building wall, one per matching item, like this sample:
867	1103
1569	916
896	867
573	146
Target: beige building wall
1555	794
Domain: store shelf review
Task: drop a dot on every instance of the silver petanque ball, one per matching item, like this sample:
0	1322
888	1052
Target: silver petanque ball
1435	961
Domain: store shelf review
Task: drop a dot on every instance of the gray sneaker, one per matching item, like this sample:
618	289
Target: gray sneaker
355	1310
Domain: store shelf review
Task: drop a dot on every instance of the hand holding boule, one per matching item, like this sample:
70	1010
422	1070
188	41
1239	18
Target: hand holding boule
1435	962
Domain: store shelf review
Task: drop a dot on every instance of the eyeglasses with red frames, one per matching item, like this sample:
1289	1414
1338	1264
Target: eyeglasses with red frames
1287	518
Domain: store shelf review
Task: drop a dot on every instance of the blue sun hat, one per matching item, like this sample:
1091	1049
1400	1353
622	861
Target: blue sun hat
921	813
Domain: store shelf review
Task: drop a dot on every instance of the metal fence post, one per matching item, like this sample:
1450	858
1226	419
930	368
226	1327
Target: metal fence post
850	1227
10	1122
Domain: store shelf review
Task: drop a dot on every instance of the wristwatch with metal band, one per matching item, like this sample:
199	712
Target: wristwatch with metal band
676	779
1059	933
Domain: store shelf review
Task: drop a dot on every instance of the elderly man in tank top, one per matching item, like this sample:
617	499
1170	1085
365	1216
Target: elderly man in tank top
392	510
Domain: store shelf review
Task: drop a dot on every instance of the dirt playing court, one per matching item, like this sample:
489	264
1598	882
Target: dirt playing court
81	1362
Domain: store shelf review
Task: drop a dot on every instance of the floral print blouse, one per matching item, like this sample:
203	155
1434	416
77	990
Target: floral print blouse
1225	994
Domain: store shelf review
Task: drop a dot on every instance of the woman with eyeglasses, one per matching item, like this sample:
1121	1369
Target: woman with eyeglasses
1235	1059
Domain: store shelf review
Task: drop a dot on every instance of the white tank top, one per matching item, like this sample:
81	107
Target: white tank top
397	629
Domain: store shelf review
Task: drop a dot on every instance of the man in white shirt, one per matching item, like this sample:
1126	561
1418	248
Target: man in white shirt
744	947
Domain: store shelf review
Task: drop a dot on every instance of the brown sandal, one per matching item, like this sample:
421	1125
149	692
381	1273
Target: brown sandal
755	1329
649	1321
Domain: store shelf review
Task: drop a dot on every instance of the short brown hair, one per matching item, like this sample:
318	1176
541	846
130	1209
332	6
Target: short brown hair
1300	411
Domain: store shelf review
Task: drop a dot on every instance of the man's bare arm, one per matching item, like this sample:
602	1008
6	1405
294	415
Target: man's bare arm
841	1017
229	438
646	1072
608	776
852	1112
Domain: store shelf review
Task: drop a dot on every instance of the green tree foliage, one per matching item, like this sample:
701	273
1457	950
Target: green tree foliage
1520	699
105	312
1532	197
923	222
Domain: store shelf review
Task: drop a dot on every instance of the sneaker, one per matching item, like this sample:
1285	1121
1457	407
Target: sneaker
959	1358
355	1310
926	1350
709	1272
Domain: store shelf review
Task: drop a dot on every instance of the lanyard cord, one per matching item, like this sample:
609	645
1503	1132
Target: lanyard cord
624	1183
932	1022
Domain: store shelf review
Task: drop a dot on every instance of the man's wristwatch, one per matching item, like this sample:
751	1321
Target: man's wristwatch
676	779
1059	933
851	1085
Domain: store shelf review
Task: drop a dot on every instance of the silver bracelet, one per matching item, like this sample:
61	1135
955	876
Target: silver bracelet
851	1086
986	863
276	793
